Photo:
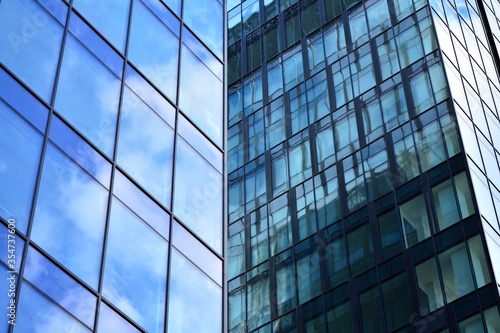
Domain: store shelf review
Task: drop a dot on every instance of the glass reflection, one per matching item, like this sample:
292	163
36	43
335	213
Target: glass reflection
113	27
110	321
145	147
135	276
198	195
88	95
210	31
21	146
201	95
195	301
31	39
154	47
70	216
36	314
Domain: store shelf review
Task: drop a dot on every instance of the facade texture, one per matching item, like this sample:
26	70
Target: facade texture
363	166
112	167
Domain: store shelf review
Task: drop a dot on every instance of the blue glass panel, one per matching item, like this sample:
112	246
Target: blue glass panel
22	101
141	295
150	95
203	53
113	27
80	151
141	204
200	143
88	94
31	42
195	301
71	198
8	285
174	5
110	321
60	287
209	30
145	147
32	319
198	195
19	159
197	253
201	95
13	245
154	48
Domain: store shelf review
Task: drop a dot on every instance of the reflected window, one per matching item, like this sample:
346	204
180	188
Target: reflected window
308	276
360	246
21	147
359	29
429	288
299	158
154	46
339	319
390	234
285	283
334	41
414	221
258	301
69	196
280	225
31	36
397	302
336	262
140	296
371	311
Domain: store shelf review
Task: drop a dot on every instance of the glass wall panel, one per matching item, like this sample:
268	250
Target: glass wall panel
464	195
140	296
371	311
195	301
145	147
390	234
397	302
51	319
69	196
445	204
280	225
336	262
198	195
113	27
456	271
360	246
21	147
110	321
286	298
89	86
429	289
414	221
210	31
154	46
308	276
339	319
258	301
31	35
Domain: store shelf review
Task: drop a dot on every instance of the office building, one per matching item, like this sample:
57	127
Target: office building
112	166
363	166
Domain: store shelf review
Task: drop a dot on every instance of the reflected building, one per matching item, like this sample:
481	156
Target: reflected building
363	166
112	150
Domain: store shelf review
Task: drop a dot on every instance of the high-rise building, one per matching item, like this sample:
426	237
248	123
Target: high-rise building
112	166
363	166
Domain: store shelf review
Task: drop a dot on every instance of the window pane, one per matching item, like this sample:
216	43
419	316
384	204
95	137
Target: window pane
397	302
110	321
280	225
195	301
378	16
456	271
210	31
390	234
336	262
340	318
70	196
198	195
335	45
113	27
360	245
51	319
140	296
258	301
464	195
359	29
414	221
154	47
371	311
429	288
492	318
308	277
88	94
285	283
445	203
31	37
21	147
479	262
201	100
145	137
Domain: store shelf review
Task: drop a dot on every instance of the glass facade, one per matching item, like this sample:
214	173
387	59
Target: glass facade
363	166
112	166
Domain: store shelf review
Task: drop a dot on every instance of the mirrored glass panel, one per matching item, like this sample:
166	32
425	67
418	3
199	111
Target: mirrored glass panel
126	284
210	30
69	196
195	301
30	35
